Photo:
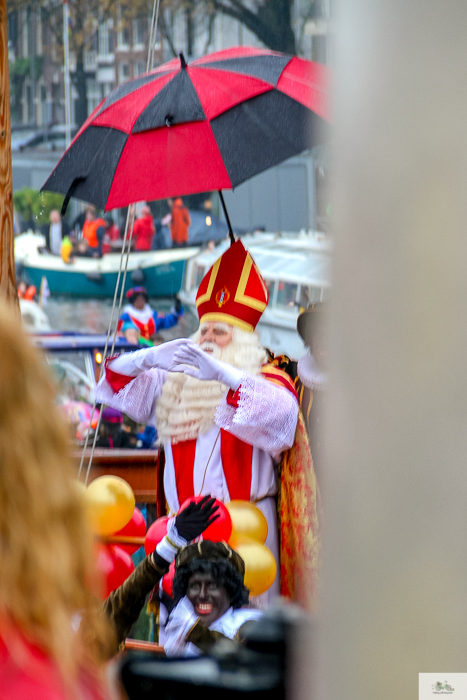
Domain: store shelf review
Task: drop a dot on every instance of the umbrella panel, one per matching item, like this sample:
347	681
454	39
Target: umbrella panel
97	151
273	127
123	114
303	81
267	68
176	103
220	91
166	163
127	88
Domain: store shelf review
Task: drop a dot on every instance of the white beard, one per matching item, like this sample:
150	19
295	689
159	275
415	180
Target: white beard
187	406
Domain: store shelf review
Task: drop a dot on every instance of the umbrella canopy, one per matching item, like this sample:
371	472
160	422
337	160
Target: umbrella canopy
185	128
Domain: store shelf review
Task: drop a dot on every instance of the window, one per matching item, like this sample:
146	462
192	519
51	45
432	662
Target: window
199	274
286	295
138	68
138	32
25	33
123	34
123	39
271	285
123	72
104	39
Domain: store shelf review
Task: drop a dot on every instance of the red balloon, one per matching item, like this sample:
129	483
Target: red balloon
136	527
155	534
115	566
168	579
221	529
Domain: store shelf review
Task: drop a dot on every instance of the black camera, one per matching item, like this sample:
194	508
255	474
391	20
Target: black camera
257	668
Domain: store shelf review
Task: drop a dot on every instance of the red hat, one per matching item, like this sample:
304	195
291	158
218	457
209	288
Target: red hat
233	290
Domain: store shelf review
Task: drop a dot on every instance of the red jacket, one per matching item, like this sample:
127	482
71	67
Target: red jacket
143	232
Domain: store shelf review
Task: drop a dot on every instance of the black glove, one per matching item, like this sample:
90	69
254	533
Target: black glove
178	305
195	518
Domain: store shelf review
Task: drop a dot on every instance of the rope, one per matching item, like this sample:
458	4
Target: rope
131	217
207	463
153	36
108	333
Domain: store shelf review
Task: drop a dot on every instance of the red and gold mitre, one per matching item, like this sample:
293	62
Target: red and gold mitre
233	290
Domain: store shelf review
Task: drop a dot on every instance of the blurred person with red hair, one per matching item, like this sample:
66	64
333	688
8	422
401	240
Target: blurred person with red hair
53	640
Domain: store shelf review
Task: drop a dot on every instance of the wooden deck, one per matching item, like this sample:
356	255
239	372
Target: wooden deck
137	467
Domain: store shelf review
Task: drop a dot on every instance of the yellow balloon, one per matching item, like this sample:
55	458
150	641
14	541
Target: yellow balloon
247	520
111	503
260	565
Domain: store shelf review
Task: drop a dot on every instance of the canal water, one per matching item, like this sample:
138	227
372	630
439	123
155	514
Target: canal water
93	315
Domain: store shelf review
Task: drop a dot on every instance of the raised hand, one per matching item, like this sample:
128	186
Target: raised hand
197	363
162	356
193	520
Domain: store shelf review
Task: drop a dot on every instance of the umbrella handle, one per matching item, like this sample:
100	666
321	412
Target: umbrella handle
231	234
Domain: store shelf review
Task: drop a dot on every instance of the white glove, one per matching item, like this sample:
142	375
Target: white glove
161	357
202	365
172	543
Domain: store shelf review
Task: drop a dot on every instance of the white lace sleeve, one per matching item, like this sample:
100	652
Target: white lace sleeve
266	416
138	398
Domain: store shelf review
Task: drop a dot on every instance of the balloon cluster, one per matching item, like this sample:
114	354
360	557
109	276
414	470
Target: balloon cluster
111	511
244	527
249	532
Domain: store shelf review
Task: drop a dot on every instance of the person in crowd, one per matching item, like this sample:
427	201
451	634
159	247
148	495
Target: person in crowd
112	433
223	414
179	223
53	641
25	291
143	230
56	232
112	236
158	242
138	315
94	229
211	600
124	605
147	438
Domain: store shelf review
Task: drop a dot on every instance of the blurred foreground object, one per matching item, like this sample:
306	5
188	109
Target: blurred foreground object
51	638
260	668
396	552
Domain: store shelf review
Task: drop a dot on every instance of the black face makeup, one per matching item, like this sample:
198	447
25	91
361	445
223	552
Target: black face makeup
208	597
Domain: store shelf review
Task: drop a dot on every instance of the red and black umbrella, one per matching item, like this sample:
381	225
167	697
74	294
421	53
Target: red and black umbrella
184	128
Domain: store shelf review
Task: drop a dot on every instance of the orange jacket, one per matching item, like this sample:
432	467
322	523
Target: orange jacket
90	231
180	222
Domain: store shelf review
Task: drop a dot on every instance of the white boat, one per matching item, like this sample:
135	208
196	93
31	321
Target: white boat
297	270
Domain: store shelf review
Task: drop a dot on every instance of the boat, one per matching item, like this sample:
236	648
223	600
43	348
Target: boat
160	271
297	270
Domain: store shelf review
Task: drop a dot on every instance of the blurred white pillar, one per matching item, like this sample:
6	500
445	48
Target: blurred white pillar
395	496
